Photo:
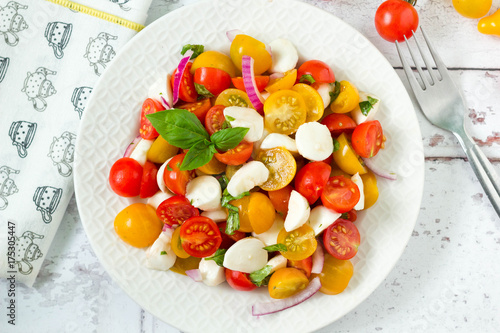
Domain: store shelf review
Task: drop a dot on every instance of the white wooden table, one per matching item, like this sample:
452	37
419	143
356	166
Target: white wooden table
447	279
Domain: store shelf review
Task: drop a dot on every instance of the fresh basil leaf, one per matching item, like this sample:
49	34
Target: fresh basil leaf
226	197
233	217
307	78
259	277
197	49
276	247
365	107
179	127
228	138
201	90
336	91
226	124
229	118
218	257
198	155
372	100
223	181
163	253
336	145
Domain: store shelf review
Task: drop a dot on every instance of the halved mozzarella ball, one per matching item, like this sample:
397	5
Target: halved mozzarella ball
284	56
321	218
358	116
274	140
256	144
160	255
140	151
159	177
277	262
314	141
218	215
239	116
324	90
158	198
251	174
358	181
211	273
246	255
298	211
204	192
270	237
161	91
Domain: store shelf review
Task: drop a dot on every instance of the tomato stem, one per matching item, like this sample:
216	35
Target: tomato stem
412	2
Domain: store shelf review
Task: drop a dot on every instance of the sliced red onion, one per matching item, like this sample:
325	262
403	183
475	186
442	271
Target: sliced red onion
250	85
165	103
379	171
178	75
166	227
131	146
194	274
318	259
276	75
233	33
265	308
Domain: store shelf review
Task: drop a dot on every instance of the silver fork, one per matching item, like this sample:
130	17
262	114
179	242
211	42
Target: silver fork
443	105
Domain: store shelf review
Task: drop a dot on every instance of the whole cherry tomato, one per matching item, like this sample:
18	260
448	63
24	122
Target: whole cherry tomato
125	177
214	80
318	70
311	179
396	19
175	179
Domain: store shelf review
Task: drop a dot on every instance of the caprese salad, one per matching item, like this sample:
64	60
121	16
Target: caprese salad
254	166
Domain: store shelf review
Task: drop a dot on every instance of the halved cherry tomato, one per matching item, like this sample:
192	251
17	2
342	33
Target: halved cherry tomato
347	100
314	102
187	91
214	59
228	240
200	236
256	212
215	119
175	179
212	79
285	110
182	265
199	108
125	177
367	138
341	239
214	167
247	45
304	265
236	156
335	275
176	210
350	215
311	179
138	225
260	80
300	243
282	83
281	166
233	97
370	189
318	69
239	280
346	158
177	244
339	123
279	198
147	131
286	282
340	194
149	185
161	150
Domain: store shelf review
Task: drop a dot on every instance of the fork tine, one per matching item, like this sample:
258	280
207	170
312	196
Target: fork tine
439	63
414	84
424	57
419	69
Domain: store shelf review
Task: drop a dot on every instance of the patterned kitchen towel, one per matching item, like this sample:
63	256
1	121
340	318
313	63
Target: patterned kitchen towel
51	55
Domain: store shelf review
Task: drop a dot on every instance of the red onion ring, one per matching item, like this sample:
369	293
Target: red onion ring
194	274
131	146
250	85
379	171
179	74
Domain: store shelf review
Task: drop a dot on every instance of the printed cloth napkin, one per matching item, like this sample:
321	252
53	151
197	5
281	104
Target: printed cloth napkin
51	55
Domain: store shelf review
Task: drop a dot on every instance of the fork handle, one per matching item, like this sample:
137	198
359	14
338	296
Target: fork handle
483	169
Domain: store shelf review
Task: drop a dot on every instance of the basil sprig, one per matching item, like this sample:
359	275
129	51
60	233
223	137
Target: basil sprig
276	247
182	129
197	49
336	91
366	106
218	257
233	217
307	78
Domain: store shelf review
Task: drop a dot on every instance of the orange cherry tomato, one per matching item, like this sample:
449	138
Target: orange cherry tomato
138	225
335	275
256	212
286	282
300	243
199	108
281	166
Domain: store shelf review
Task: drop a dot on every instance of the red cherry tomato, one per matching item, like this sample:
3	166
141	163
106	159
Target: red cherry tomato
341	239
200	236
311	179
228	240
340	194
147	131
350	215
213	79
187	91
215	119
367	138
339	123
176	210
149	185
175	179
260	80
396	19
125	177
280	198
239	281
319	70
236	156
305	265
199	108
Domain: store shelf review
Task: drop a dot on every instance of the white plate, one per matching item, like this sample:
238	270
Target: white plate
111	119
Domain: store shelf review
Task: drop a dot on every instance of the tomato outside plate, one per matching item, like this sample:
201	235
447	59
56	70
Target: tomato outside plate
125	177
236	156
239	280
311	179
367	138
340	194
199	108
214	80
187	91
339	123
200	236
176	210
149	185
341	239
146	130
395	19
260	80
175	179
319	71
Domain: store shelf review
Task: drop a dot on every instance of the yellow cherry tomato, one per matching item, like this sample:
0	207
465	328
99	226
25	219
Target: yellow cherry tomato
256	212
177	244
214	59
246	45
233	97
182	265
490	25
286	282
346	158
213	167
281	166
335	275
284	112
370	188
300	243
138	225
282	83
161	150
472	8
314	102
347	100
